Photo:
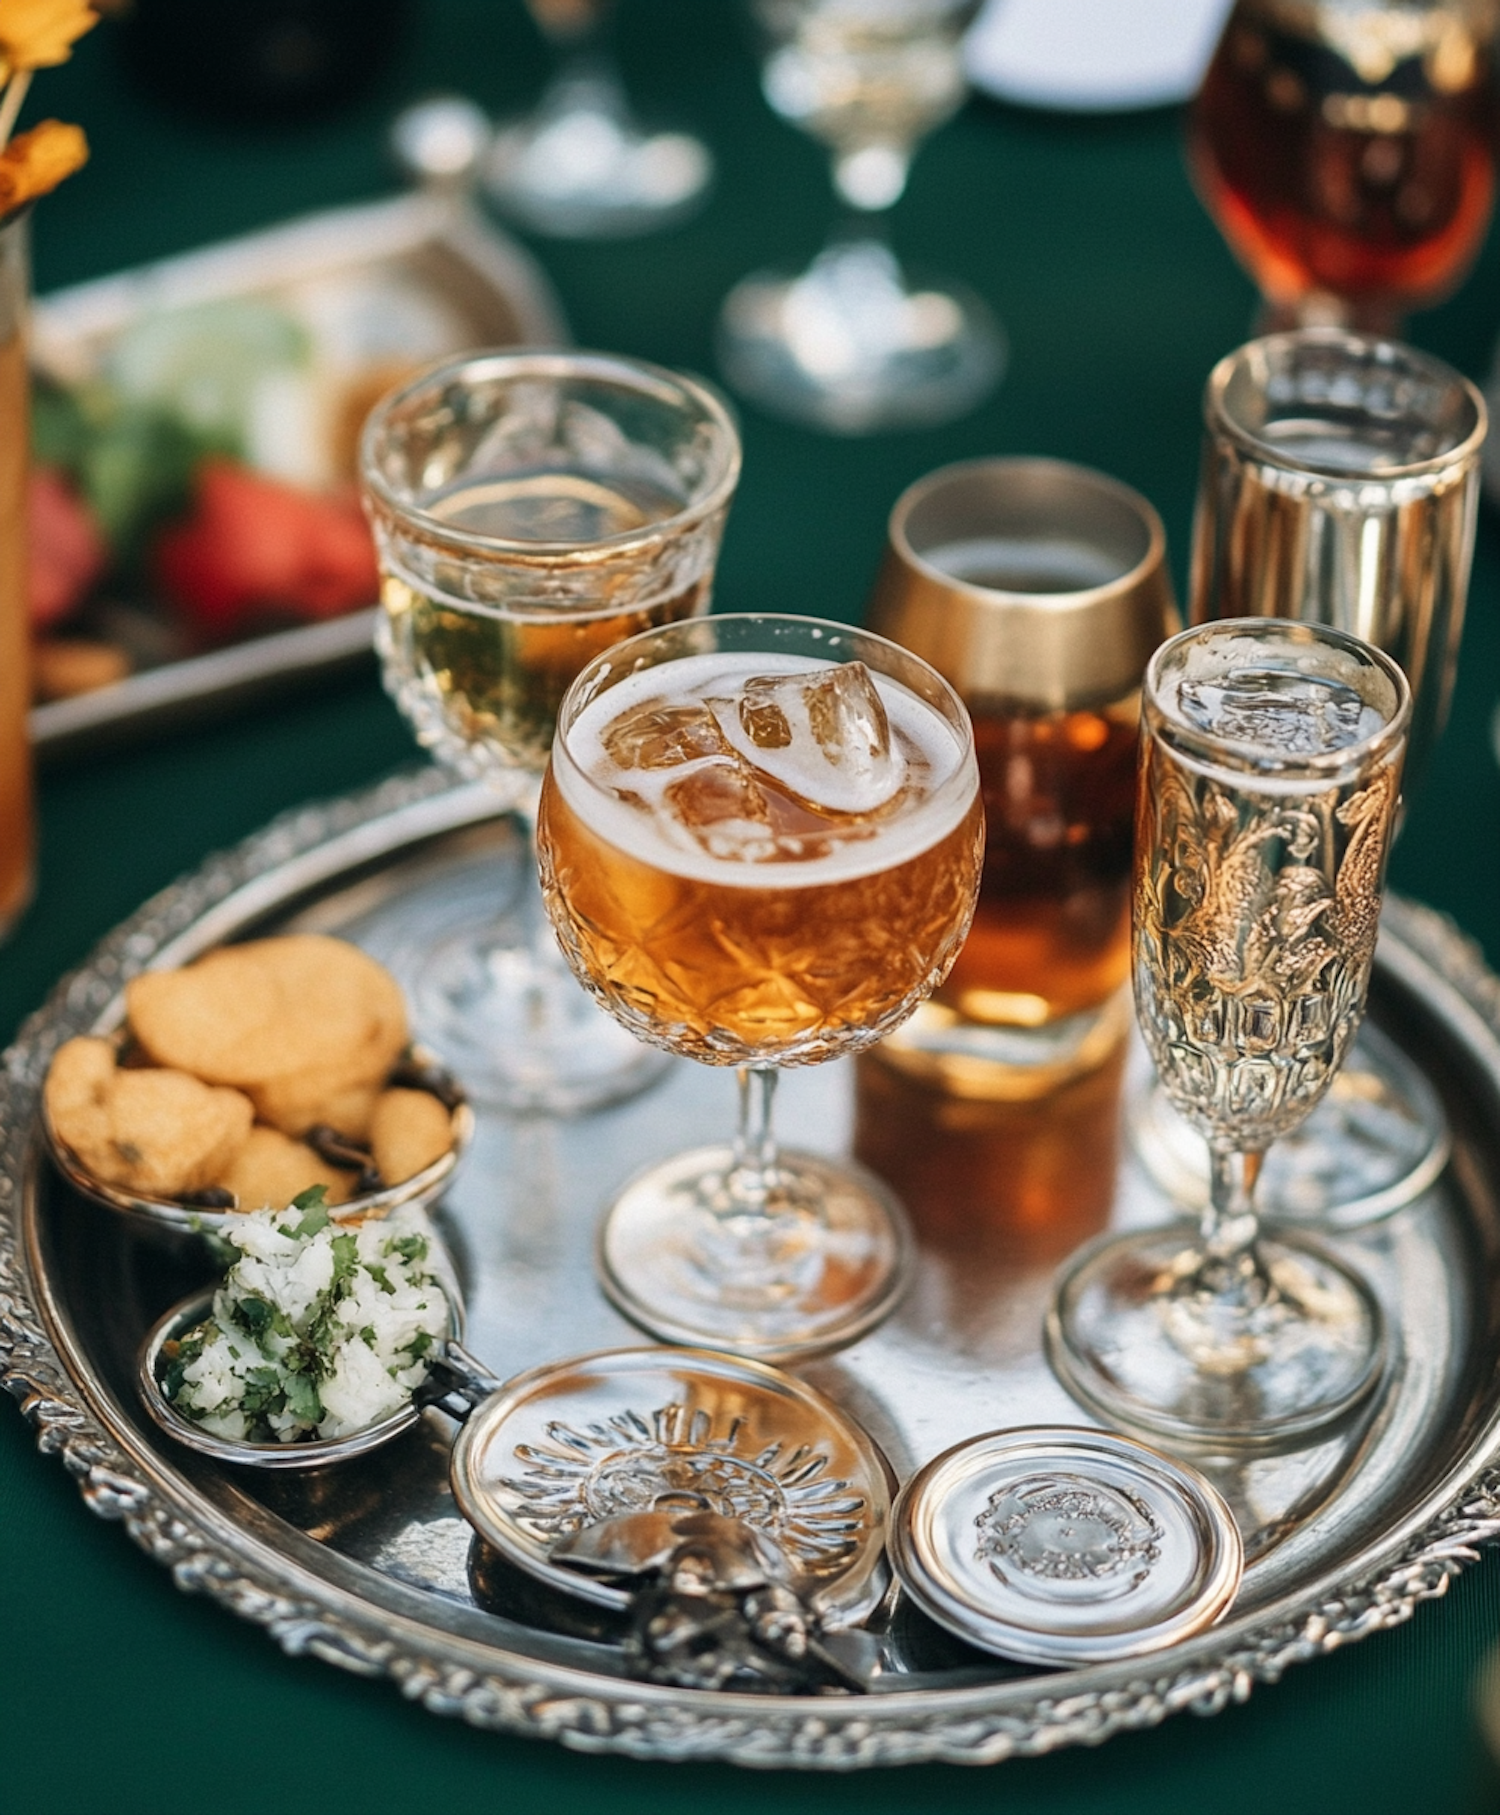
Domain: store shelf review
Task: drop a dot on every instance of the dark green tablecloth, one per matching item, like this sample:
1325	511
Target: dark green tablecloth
116	1692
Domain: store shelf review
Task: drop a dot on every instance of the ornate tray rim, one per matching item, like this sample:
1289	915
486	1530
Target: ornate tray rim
451	1674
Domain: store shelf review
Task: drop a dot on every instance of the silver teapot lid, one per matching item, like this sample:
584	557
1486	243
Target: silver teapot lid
1065	1546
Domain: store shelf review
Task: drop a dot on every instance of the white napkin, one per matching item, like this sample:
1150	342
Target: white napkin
1093	56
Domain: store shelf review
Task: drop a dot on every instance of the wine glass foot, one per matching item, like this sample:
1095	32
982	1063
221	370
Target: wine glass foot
490	992
851	347
580	167
822	1269
1142	1333
1376	1142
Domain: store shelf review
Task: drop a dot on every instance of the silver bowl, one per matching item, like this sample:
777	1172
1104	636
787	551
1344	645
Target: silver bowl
176	1218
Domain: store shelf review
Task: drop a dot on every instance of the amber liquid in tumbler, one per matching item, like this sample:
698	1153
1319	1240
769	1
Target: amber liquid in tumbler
1051	935
492	677
813	954
16	828
1374	188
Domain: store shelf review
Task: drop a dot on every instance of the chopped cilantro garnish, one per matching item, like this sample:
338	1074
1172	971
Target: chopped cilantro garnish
302	1398
409	1247
254	1314
345	1256
381	1278
312	1221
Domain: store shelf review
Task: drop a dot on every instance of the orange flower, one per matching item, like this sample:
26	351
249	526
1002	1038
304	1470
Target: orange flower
35	34
38	161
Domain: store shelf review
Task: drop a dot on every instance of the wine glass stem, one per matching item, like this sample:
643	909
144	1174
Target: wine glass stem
870	179
750	1182
548	966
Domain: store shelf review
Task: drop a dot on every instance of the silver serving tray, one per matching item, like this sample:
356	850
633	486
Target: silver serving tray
496	294
369	1565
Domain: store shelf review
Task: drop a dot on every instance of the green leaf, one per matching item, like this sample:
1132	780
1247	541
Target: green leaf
315	1217
302	1399
409	1247
381	1278
254	1314
345	1257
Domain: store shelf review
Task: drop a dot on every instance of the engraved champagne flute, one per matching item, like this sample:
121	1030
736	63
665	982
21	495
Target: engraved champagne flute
760	840
530	509
1270	765
852	344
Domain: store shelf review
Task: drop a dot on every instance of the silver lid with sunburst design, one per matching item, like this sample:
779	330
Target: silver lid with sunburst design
596	1440
1057	1545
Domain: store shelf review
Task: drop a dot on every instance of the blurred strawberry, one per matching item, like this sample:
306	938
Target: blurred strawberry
253	543
66	552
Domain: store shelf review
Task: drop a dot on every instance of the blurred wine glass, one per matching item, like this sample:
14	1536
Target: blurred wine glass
1345	150
580	166
851	344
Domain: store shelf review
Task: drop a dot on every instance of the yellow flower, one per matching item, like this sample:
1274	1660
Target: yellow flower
38	161
35	34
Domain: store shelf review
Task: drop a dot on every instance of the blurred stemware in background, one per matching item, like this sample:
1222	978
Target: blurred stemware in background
1345	149
850	344
580	166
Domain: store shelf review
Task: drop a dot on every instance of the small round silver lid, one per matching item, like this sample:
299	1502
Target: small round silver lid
1059	1545
575	1444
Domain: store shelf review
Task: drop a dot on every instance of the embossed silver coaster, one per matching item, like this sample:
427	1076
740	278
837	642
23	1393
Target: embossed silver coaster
631	1431
1057	1545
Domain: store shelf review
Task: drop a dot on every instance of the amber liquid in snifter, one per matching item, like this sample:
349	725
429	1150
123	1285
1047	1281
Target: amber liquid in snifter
724	912
490	678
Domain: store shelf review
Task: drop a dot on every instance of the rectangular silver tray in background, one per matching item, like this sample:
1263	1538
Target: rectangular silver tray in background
369	1565
495	288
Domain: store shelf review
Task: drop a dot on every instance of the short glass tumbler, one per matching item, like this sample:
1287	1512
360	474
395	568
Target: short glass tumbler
760	840
1270	768
530	509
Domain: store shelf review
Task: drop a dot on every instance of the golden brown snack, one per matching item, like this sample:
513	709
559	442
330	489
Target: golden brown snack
273	1009
305	1099
271	1169
409	1130
159	1133
78	1083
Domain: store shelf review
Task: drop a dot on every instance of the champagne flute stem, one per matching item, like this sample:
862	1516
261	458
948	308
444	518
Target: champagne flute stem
1231	1266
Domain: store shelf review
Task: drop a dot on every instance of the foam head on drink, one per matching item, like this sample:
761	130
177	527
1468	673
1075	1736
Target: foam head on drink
761	856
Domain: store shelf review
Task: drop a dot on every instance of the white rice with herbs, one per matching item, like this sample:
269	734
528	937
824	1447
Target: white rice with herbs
317	1330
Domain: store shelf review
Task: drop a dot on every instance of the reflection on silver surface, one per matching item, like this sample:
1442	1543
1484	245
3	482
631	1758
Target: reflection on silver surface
365	1563
565	1447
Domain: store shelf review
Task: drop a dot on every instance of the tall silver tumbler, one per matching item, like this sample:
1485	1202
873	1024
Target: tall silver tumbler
1340	483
